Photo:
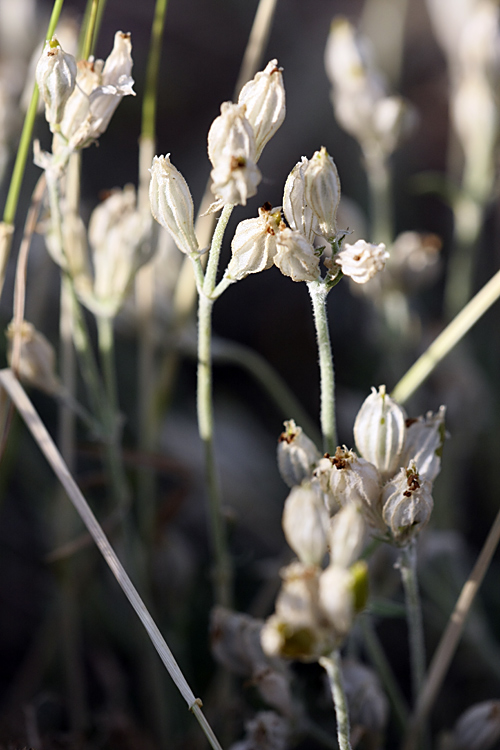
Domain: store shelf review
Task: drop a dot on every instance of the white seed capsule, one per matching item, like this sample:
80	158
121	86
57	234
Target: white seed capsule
264	99
355	480
171	203
55	76
253	246
296	257
424	442
322	191
380	430
347	536
297	211
297	455
305	523
407	504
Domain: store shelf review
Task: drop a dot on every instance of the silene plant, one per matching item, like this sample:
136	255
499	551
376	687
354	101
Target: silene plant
354	514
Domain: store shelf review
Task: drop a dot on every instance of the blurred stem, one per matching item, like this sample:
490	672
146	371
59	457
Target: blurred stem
90	28
468	216
379	660
223	571
25	141
318	291
148	128
332	666
447	339
408	568
106	339
379	185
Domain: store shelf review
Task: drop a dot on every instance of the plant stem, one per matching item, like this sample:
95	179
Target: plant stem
222	572
148	128
105	335
447	339
90	29
379	184
408	567
25	142
332	666
318	291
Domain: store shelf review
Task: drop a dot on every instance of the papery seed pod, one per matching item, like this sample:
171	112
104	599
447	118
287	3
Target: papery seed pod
478	728
297	211
322	191
253	246
264	99
361	261
407	504
37	360
297	455
296	257
380	431
347	536
368	704
305	523
424	442
355	480
232	151
337	599
298	630
172	205
55	76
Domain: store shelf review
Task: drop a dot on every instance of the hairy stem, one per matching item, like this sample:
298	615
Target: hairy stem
318	291
332	666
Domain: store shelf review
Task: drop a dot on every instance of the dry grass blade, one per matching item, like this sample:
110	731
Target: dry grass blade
451	636
51	453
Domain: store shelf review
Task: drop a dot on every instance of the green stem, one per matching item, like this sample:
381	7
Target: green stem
148	129
468	217
447	339
332	666
25	141
90	30
408	569
318	291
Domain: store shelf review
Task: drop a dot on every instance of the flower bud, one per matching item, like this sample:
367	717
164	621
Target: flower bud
264	99
55	76
362	260
305	523
297	455
354	480
171	203
406	504
296	256
380	430
424	442
478	728
322	191
253	246
232	151
347	536
297	211
368	705
37	360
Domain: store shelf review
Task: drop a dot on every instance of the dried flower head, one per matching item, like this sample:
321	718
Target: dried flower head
297	454
296	256
264	100
406	504
362	260
253	246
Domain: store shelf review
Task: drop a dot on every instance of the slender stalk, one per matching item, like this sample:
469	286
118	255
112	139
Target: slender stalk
106	340
25	142
222	572
54	458
408	568
379	185
318	291
332	666
90	30
451	636
148	128
447	339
